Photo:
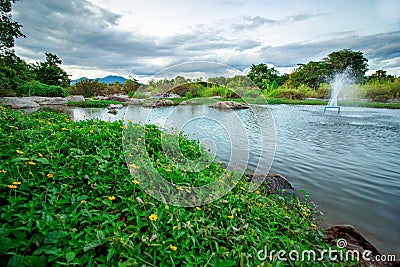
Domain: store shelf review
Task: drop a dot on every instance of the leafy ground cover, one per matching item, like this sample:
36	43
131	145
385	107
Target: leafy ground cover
67	198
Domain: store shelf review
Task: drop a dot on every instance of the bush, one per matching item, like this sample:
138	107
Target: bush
382	91
291	93
40	89
137	94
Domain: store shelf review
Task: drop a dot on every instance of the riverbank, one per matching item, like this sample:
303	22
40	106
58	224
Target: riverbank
67	197
103	102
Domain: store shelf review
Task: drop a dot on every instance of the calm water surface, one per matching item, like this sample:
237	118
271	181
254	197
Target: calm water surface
349	163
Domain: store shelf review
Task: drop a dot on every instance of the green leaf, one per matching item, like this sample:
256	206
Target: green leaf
43	160
16	260
92	245
20	159
70	256
54	236
110	254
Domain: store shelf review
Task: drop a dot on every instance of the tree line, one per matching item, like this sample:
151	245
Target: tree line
47	78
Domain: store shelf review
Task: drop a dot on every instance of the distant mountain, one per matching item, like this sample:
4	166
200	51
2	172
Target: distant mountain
108	80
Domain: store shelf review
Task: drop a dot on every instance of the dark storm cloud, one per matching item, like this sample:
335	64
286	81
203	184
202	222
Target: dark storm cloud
257	21
376	48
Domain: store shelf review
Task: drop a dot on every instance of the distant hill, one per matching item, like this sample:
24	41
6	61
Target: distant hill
108	80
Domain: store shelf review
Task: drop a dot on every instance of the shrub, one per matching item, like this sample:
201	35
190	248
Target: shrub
40	89
291	93
137	94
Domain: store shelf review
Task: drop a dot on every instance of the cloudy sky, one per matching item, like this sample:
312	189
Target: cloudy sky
95	38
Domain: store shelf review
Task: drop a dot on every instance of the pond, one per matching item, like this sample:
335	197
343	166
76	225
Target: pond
348	162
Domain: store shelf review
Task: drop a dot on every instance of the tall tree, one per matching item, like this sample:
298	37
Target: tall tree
341	60
50	72
9	29
311	74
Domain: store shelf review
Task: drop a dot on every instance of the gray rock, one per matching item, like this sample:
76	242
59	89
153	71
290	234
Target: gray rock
75	98
115	106
159	103
273	182
354	241
18	102
55	101
135	101
229	105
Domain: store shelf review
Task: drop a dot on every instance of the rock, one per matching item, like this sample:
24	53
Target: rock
356	242
18	102
229	105
159	103
183	103
135	101
113	111
167	95
120	98
75	98
55	101
115	106
273	182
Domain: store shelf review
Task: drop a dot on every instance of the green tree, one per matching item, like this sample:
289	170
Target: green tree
50	72
380	75
262	75
130	85
341	60
311	74
9	29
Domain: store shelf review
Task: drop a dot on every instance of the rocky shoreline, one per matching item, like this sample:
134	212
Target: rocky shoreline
355	241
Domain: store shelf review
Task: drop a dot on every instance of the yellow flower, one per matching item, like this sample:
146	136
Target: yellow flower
111	198
91	131
64	129
258	204
3	171
12	186
153	217
242	188
313	225
173	247
198	208
16	183
230	216
40	155
30	173
96	173
50	175
83	201
133	166
139	139
19	152
305	213
135	181
31	163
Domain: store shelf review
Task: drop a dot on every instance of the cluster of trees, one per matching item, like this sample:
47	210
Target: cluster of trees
14	71
89	88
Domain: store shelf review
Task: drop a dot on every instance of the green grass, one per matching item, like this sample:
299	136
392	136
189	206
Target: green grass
93	103
67	198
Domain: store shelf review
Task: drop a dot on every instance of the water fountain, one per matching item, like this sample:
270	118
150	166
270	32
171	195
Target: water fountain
340	81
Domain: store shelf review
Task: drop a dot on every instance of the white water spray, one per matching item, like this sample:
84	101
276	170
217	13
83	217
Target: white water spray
340	81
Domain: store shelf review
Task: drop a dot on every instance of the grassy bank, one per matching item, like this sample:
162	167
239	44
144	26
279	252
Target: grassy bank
67	198
93	103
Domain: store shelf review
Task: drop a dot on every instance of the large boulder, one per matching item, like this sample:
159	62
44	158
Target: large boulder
75	98
18	102
229	105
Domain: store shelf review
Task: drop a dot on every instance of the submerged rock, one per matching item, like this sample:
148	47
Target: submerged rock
229	105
